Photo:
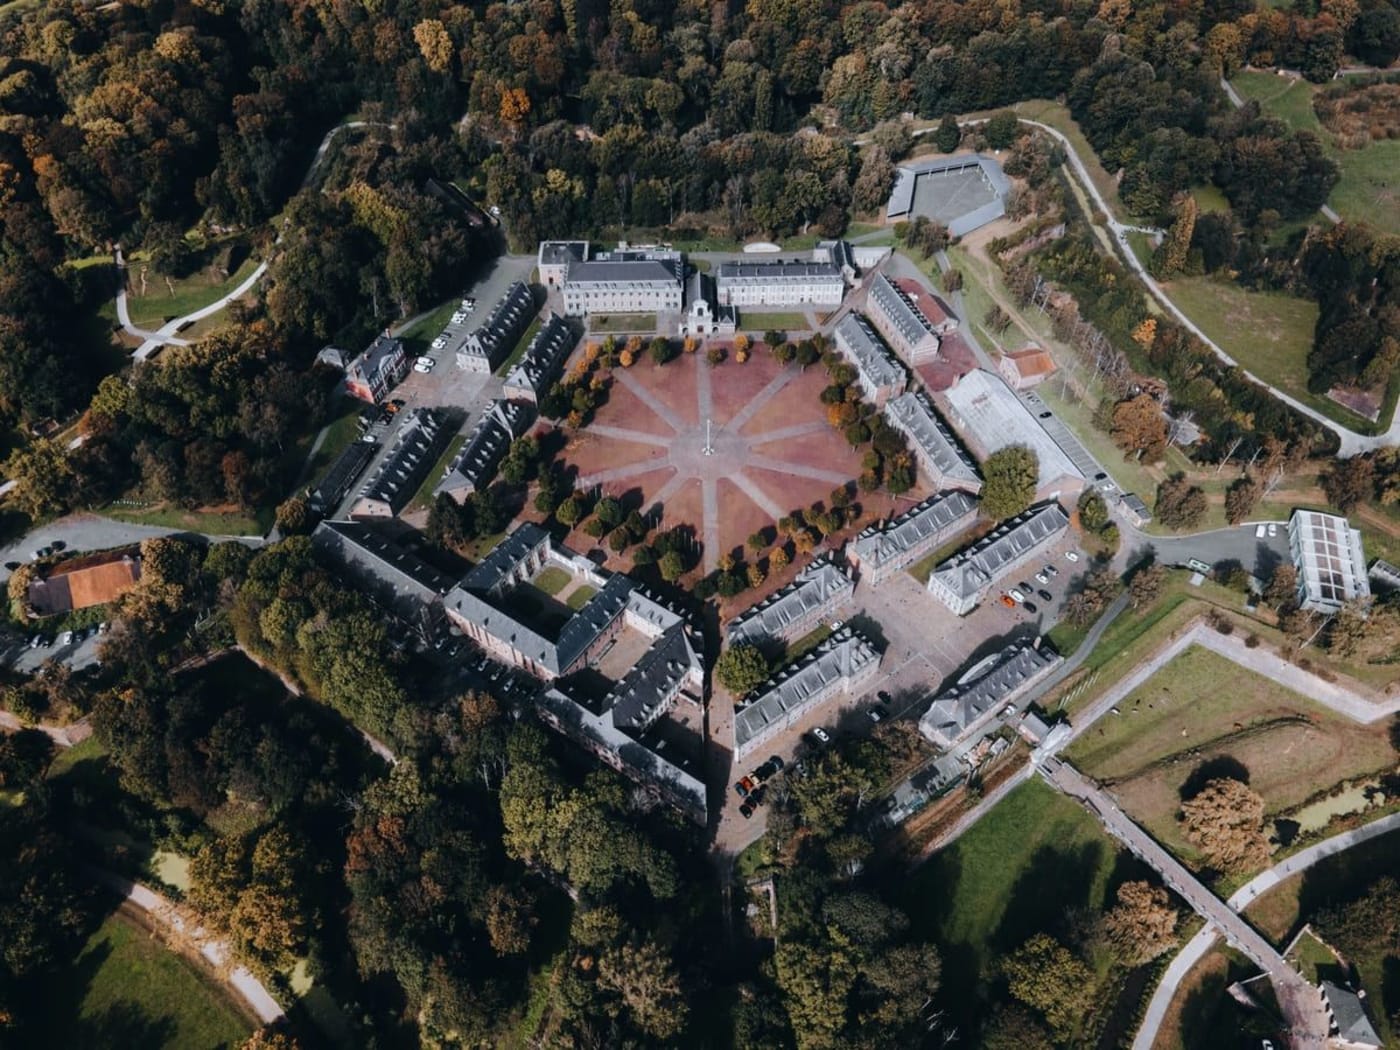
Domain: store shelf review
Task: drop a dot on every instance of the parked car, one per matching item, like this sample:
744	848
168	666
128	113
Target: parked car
421	369
745	786
58	545
877	714
1260	531
1030	607
1042	578
426	362
398	402
36	641
103	627
1045	596
1051	571
440	342
765	771
458	317
1273	530
1025	588
1008	601
746	810
66	638
1016	596
1071	555
884	697
822	735
756	798
777	762
836	625
12	565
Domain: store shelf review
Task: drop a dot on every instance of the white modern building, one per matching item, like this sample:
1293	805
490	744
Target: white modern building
842	665
778	284
881	376
1331	565
941	457
962	582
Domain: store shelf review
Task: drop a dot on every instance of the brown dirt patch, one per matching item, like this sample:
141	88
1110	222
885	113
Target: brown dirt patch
672	384
732	385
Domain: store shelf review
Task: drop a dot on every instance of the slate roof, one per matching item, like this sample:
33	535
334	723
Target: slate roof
980	565
485	447
879	543
912	414
607	273
503	326
543	357
960	706
1349	1015
856	339
415	448
901	311
796	271
842	656
820	585
393	575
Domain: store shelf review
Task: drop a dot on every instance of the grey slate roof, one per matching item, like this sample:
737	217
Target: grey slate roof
555	253
606	273
856	339
879	543
902	312
503	326
844	655
411	457
912	414
490	440
969	571
957	708
543	357
341	474
395	577
646	691
1349	1015
820	585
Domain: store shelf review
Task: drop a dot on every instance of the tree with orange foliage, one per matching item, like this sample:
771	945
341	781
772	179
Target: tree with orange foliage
515	106
627	358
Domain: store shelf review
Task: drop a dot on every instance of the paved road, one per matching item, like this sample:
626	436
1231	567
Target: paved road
1196	949
89	532
1299	1001
1259	555
166	914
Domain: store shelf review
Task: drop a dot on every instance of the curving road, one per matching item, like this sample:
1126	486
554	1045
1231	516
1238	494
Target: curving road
1196	949
152	342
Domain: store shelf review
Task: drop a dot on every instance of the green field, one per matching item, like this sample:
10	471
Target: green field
603	323
1180	723
787	322
423	498
1366	191
191	293
580	596
1031	862
211	523
127	990
552	580
1268	333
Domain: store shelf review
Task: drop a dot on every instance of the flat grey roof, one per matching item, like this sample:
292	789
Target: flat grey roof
607	273
994	417
777	270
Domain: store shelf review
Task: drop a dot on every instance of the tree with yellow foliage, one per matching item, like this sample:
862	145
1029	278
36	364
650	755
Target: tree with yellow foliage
436	46
741	354
627	358
515	106
690	345
1146	333
742	342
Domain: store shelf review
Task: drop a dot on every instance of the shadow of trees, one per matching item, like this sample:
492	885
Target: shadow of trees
1217	768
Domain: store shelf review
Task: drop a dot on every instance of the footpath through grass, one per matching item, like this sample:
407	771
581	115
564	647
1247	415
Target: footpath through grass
1366	192
191	293
126	990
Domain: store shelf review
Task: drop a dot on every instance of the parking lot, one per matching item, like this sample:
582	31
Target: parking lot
446	386
925	647
77	653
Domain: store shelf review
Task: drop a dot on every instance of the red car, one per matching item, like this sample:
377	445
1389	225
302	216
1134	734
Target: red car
745	786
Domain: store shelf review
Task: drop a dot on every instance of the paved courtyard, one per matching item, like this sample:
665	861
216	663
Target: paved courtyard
727	449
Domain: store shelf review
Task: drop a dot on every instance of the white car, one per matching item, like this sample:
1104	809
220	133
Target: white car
426	362
1273	529
1071	555
421	368
439	342
1042	578
66	638
836	625
1017	596
1259	531
458	317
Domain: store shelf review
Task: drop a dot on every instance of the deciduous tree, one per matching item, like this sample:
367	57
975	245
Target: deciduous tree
1011	475
1142	925
1226	823
741	668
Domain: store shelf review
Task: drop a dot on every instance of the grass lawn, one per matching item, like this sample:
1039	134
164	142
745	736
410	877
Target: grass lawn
423	498
1210	198
341	431
1366	192
1268	333
520	348
191	293
417	336
787	322
602	323
806	643
127	989
210	522
991	890
552	580
1180	725
580	596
